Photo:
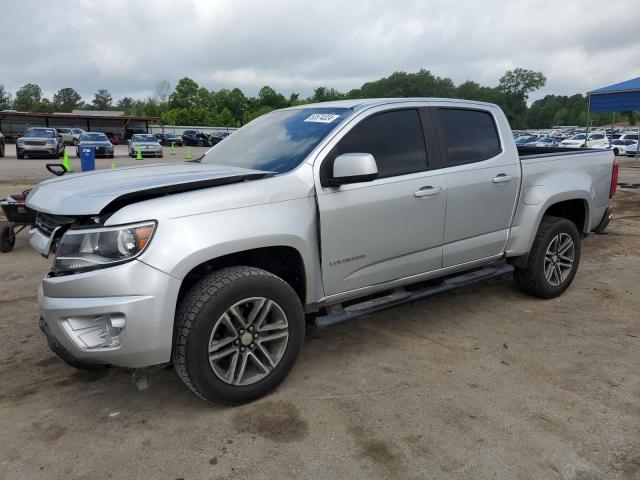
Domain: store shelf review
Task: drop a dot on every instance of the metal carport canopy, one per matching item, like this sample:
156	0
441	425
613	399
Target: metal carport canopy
619	97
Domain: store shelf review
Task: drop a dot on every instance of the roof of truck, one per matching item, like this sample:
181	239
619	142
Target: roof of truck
358	103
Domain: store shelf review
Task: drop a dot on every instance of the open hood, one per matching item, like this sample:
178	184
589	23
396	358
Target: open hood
100	191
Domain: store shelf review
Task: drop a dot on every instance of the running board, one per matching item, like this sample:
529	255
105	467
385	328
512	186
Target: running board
338	314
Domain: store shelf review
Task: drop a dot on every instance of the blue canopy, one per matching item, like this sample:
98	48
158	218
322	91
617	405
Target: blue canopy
619	97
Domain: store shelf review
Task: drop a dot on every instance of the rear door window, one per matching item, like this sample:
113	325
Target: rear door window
470	135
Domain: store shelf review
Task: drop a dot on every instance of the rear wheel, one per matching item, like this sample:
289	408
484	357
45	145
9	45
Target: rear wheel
553	260
7	238
238	334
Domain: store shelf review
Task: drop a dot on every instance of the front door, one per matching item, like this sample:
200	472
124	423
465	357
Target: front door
389	228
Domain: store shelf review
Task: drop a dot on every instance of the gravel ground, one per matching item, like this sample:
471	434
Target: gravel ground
483	382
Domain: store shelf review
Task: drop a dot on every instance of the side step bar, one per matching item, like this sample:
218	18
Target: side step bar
339	314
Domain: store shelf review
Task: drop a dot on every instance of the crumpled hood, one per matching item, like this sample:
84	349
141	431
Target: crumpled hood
89	193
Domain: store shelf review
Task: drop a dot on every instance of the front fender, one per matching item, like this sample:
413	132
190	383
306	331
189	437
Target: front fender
181	244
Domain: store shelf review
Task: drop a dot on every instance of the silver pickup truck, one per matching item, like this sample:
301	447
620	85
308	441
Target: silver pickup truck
319	213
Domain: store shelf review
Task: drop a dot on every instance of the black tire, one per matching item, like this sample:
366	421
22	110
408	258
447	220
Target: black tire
199	310
616	152
20	155
74	142
2	149
7	238
531	279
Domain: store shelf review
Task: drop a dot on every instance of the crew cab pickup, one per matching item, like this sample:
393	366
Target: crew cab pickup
317	212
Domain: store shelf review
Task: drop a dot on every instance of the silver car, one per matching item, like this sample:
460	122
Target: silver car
146	144
40	142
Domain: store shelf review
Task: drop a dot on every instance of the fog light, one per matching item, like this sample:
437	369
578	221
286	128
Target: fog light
96	331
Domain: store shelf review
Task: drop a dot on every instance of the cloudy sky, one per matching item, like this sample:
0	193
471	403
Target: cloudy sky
294	46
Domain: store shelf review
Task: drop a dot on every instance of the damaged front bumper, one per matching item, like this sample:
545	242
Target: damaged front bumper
121	315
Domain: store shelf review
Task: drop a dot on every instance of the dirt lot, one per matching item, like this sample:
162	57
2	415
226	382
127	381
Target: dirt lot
483	382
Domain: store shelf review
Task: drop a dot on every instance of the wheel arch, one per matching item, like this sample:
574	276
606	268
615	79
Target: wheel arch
283	261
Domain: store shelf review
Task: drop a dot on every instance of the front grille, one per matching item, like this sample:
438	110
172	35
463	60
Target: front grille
33	142
47	223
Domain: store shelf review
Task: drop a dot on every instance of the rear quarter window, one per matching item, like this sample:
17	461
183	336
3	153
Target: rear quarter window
470	135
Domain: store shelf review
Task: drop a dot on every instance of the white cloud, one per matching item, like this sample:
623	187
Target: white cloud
127	47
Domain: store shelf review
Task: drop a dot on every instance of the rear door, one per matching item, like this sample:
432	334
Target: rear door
389	228
482	184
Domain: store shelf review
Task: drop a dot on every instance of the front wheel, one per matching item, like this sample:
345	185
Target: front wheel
553	260
238	333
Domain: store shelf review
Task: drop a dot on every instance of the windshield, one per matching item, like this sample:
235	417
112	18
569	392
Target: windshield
277	142
40	133
93	137
143	138
78	130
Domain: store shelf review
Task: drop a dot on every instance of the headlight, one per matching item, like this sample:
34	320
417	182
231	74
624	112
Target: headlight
89	249
20	141
51	142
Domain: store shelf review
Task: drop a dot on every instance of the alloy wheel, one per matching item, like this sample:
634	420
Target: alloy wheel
248	341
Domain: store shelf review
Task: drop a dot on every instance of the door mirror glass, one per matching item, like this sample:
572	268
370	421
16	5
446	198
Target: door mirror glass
353	168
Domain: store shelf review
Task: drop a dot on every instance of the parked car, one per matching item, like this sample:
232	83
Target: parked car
147	143
524	139
114	138
67	136
218	137
630	150
617	146
98	140
578	141
328	210
545	142
2	145
167	139
40	142
629	136
192	138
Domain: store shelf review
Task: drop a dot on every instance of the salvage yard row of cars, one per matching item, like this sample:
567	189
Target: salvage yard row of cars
619	141
51	142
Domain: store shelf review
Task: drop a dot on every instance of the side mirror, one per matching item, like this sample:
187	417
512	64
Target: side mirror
353	168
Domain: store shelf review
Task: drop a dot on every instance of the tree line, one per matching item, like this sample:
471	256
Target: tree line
192	104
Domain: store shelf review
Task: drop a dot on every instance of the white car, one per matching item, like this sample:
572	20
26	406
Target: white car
617	146
631	150
595	140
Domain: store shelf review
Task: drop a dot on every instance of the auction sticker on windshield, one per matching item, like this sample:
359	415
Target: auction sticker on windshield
321	117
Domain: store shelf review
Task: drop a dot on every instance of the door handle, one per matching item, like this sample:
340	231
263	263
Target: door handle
427	191
502	178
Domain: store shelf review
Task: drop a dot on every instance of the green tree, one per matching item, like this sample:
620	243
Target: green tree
102	100
66	100
185	95
517	84
126	105
270	98
28	98
251	115
225	119
45	105
5	99
521	82
324	94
